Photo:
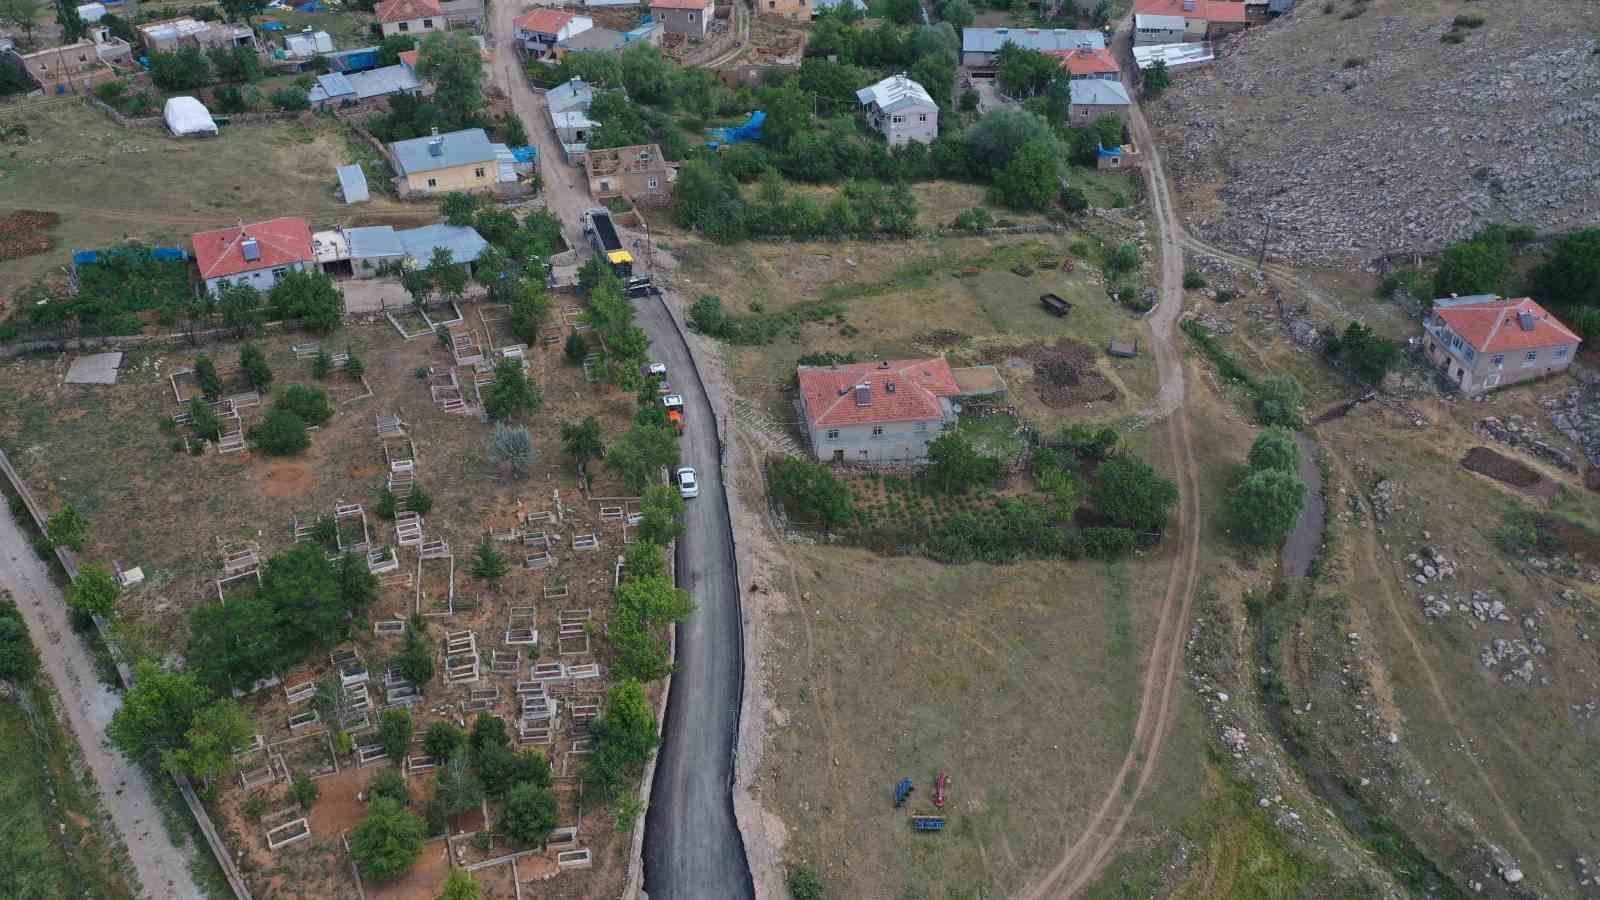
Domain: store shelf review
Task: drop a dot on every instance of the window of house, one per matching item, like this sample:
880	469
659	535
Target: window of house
920	427
405	26
433	182
1532	355
833	434
82	58
651	183
280	271
1471	354
1499	359
922	117
222	284
478	172
897	119
427	23
877	431
1562	351
1455	342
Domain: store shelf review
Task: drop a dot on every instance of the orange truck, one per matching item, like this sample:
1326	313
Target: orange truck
674	405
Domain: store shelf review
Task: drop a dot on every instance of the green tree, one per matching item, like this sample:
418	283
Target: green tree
958	13
459	208
311	404
1477	266
388	841
1571	274
1029	181
645	606
443	739
511	393
956	466
290	99
18	658
358	587
394	733
1275	448
233	644
788	112
904	12
582	441
1025	72
708	317
390	785
641	453
810	489
253	364
392	46
94	592
502	769
303	589
1088	442
73	28
182	70
529	815
1368	355
457	787
488	563
1155	80
353	366
281	433
1266	505
304	791
205	373
1131	494
530	306
450	60
624	738
205	421
512	446
659	510
645	559
157	712
66	527
1002	133
416	658
448	277
1277	401
215	734
240	305
576	349
458	885
310	296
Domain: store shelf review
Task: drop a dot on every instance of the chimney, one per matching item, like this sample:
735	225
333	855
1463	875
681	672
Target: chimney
864	394
250	249
888	387
436	144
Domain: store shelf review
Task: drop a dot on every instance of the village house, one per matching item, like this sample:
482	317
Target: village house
980	47
257	254
457	161
75	67
410	17
1095	97
1203	20
877	412
1122	156
690	18
901	110
542	30
338	88
568	106
169	35
1484	341
1098	64
820	6
607	40
462	13
793	10
639	173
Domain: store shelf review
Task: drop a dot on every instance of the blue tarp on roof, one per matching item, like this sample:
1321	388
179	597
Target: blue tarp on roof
525	154
272	26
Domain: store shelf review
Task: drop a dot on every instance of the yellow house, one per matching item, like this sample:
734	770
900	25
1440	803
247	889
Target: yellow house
410	17
457	161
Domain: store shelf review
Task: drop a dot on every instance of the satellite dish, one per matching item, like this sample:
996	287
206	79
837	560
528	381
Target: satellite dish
955	408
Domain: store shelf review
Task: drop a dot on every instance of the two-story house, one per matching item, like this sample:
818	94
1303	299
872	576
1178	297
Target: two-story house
410	17
1483	341
541	30
901	110
690	18
877	412
1096	97
257	254
1203	20
457	161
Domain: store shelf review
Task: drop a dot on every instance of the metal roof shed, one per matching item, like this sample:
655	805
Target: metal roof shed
374	242
353	184
464	243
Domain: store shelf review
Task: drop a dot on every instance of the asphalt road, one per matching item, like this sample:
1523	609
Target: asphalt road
692	848
161	867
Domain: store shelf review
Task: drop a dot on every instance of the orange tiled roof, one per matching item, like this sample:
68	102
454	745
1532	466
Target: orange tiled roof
1210	10
545	21
830	397
1086	62
220	253
1493	327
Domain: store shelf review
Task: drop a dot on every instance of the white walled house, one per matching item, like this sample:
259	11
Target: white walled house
877	412
540	30
901	110
256	254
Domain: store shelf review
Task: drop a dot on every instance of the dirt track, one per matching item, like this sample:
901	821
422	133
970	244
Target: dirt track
1085	857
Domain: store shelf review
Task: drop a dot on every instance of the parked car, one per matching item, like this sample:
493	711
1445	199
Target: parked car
688	485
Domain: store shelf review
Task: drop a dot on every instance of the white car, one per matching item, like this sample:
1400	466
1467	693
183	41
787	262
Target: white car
688	486
656	369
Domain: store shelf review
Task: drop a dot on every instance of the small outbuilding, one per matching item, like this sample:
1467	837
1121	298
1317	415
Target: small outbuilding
353	184
186	116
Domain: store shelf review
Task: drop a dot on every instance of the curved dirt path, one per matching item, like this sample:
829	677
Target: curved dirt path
1085	857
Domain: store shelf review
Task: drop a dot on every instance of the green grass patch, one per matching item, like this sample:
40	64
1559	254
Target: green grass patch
1236	840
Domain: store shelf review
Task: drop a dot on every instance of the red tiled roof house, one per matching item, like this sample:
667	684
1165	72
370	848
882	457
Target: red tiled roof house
541	30
1088	63
1155	21
410	17
1483	342
877	412
257	254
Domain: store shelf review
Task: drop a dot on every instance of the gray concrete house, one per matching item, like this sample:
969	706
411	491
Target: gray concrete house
901	110
1482	341
1094	97
1157	29
877	412
690	18
980	47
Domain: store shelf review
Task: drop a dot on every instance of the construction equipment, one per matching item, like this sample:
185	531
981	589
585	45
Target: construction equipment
939	784
927	823
901	792
602	235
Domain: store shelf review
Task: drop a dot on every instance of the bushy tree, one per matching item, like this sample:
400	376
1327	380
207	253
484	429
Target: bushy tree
394	733
390	785
205	373
512	392
1025	72
582	441
1571	274
302	587
1368	355
659	510
644	559
811	490
311	404
240	306
645	606
1088	442
388	841
182	70
94	592
1477	266
443	740
458	885
956	466
310	296
253	365
1277	401
234	644
1155	79
576	348
458	788
416	658
1002	132
1275	448
358	587
513	447
18	658
281	433
502	769
624	737
1266	505
641	453
215	734
1029	181
459	208
205	421
488	563
1131	494
156	712
708	317
290	99
67	527
529	814
450	60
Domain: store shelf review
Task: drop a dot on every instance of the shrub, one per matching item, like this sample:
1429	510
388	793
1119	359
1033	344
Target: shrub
1467	21
67	527
956	466
708	317
205	372
488	563
1266	505
969	100
420	501
1107	543
1277	399
1131	494
804	884
576	348
1275	448
1224	295
394	732
304	791
529	815
810	489
281	433
311	404
1452	37
390	785
1123	259
388	841
1193	281
18	658
322	365
1354	62
290	99
353	366
94	592
1368	355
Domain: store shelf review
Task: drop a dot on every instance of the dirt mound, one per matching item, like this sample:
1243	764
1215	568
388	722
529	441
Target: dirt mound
1500	467
1064	372
22	233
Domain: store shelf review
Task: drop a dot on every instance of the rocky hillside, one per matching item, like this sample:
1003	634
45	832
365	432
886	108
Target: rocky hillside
1359	132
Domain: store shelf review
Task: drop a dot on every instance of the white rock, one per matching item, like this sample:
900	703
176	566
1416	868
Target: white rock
1394	738
1513	875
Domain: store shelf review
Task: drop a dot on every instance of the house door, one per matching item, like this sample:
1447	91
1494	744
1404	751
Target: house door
838	456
